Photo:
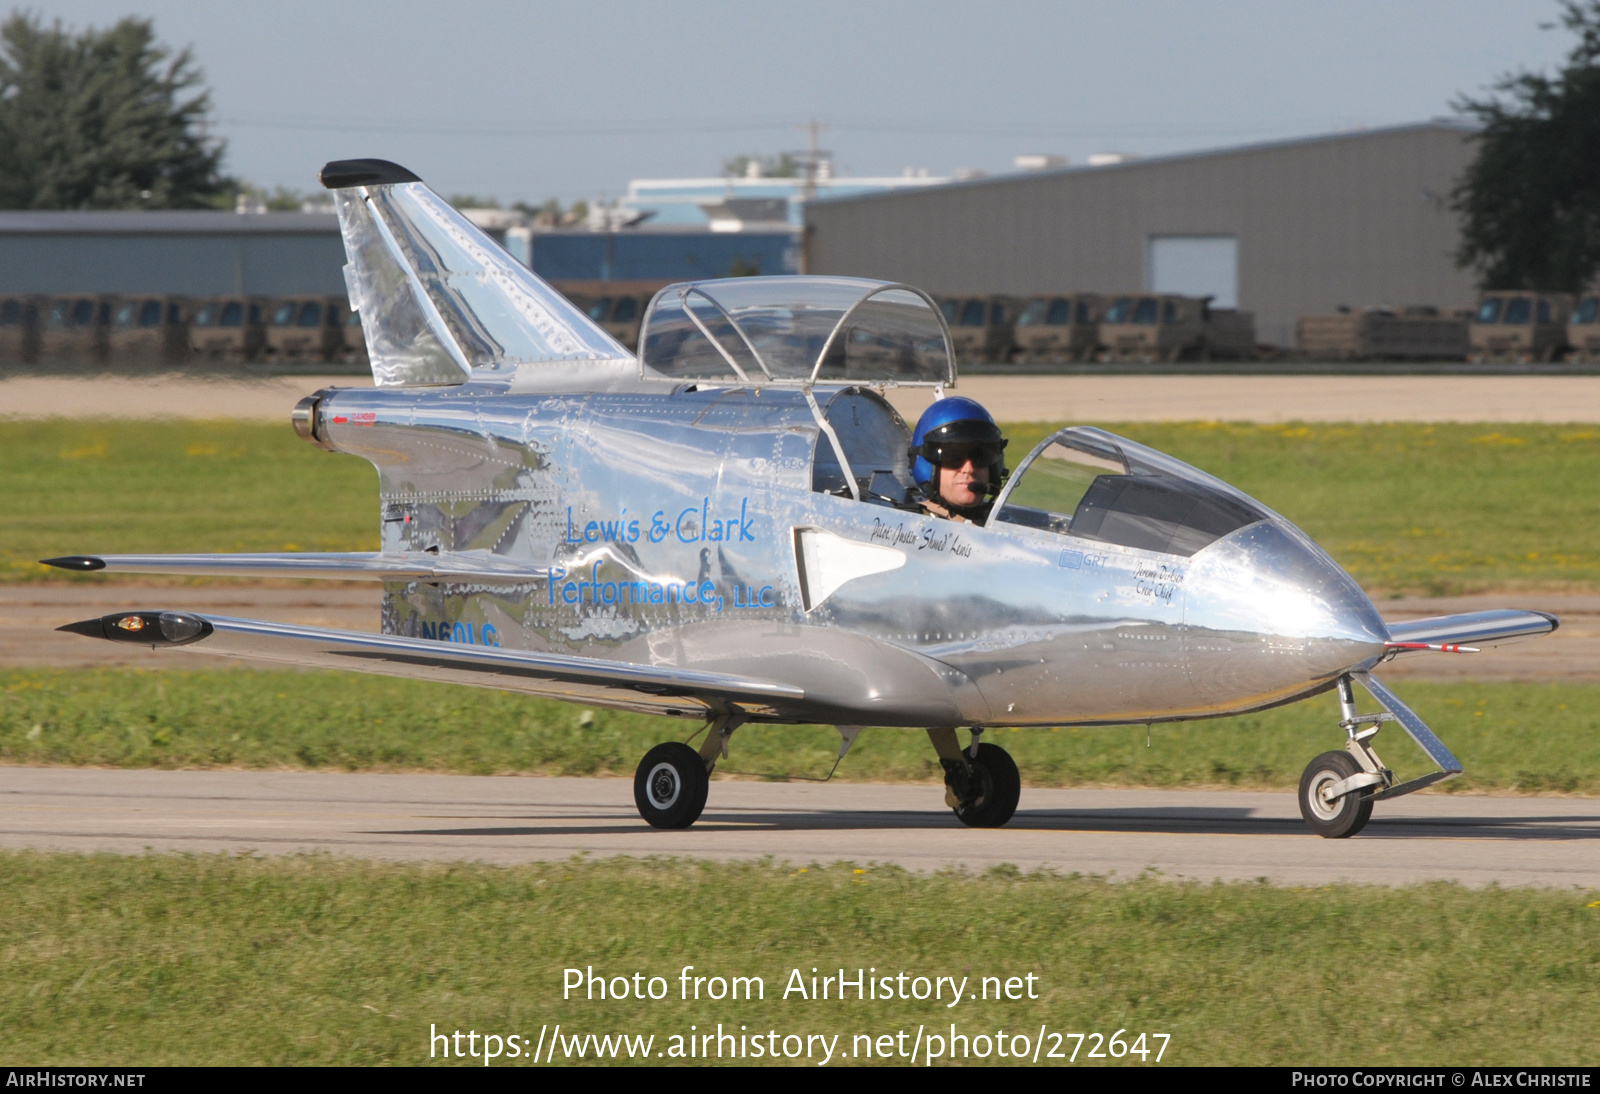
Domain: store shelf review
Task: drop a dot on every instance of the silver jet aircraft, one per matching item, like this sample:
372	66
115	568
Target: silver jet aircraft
724	529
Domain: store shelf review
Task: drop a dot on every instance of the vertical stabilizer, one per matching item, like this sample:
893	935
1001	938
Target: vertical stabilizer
442	303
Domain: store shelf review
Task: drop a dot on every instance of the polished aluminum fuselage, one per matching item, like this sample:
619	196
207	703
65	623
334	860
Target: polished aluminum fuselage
660	526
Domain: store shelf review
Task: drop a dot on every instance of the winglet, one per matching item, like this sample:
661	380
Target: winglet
342	174
81	563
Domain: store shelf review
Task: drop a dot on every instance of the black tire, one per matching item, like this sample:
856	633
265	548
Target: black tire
671	785
999	787
1342	818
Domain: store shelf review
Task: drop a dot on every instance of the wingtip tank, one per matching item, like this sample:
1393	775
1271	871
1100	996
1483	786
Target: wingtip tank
84	564
146	628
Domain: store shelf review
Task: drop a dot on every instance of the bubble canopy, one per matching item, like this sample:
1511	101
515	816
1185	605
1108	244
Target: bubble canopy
795	331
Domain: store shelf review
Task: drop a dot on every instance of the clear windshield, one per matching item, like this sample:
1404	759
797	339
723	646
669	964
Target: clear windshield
1588	310
795	330
1095	485
1489	310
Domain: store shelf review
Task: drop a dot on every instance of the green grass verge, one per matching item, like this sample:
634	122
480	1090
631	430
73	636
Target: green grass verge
1527	738
216	960
144	487
1409	508
1406	508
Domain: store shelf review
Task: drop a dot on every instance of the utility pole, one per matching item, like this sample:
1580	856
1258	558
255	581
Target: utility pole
808	188
811	164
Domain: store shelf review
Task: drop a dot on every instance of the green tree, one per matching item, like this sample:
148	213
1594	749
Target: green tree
102	120
1530	201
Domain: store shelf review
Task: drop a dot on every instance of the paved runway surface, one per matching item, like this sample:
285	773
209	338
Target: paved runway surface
29	615
1184	834
1009	398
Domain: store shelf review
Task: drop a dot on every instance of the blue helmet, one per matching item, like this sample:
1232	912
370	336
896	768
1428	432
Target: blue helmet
956	427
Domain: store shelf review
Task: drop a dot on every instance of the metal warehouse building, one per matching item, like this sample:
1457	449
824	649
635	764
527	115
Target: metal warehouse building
203	253
1279	229
184	253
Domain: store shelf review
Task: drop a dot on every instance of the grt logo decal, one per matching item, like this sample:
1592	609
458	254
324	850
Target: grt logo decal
696	524
462	633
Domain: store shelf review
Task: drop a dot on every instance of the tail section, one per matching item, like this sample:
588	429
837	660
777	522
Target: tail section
442	303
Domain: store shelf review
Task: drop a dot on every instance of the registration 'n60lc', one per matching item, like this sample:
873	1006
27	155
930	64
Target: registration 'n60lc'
728	528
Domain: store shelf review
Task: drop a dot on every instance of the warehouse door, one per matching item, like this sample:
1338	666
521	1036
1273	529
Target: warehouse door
1196	266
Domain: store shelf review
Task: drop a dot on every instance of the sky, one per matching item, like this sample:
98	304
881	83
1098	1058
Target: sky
526	101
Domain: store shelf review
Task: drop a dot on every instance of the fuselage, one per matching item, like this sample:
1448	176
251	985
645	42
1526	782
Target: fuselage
713	529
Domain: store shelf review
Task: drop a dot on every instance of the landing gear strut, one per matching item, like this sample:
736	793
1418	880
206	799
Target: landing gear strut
981	784
1338	788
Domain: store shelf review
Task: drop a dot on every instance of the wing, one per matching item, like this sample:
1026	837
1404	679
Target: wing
1469	632
480	567
651	689
441	302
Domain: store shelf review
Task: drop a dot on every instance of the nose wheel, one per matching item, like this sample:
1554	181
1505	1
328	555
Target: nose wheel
1331	814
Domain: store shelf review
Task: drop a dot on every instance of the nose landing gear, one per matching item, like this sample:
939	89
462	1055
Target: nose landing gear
1338	789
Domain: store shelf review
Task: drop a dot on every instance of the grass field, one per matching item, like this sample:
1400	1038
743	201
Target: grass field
1406	508
216	960
1528	738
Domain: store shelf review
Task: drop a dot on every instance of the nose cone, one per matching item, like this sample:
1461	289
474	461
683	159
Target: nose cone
1269	615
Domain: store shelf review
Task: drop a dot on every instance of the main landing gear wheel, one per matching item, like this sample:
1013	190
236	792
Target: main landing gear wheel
1338	818
996	787
671	785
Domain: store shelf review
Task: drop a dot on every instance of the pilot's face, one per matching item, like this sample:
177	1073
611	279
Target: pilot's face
963	485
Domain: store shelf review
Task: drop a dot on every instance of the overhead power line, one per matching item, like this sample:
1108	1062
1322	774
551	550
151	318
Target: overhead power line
669	127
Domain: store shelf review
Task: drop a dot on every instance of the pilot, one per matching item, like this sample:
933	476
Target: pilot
958	456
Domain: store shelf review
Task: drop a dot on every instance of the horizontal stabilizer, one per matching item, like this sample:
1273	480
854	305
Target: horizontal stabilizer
650	688
441	302
1473	630
457	566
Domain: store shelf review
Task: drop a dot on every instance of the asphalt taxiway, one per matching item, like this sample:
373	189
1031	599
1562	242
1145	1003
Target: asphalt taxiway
1186	834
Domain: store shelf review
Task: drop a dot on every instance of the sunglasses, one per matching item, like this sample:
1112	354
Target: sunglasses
955	455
